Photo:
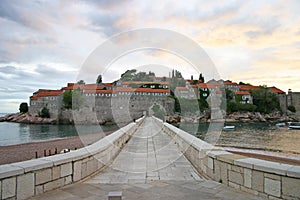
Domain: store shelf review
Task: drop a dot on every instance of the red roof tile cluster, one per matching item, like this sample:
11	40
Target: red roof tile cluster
230	83
152	90
181	88
248	87
123	89
207	85
143	82
218	92
45	93
276	90
242	93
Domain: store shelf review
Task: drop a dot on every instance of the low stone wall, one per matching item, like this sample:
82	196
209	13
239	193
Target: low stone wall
25	179
263	178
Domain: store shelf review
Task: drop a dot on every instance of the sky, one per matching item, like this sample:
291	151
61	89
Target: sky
45	44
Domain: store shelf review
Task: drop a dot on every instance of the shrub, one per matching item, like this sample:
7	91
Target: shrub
23	107
292	108
44	113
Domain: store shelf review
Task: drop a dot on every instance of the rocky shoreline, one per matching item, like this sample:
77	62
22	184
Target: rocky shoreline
26	119
204	118
236	117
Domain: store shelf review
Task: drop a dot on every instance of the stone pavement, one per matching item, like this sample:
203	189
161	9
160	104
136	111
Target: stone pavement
149	167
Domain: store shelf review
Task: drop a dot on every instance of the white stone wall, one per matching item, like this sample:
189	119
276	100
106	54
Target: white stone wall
263	178
25	179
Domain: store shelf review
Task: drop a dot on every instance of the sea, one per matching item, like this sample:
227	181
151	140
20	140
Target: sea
256	136
265	137
17	133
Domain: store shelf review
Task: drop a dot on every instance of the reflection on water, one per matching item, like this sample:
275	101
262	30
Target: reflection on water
16	133
259	136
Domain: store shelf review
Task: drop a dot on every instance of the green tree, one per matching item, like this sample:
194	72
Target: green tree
44	113
128	75
203	105
23	107
68	99
177	105
292	108
264	100
72	99
201	78
81	82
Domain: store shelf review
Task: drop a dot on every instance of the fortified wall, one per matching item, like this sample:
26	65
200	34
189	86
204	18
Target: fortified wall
293	98
119	109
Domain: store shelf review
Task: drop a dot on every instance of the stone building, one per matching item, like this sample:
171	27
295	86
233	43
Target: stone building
104	102
50	99
293	98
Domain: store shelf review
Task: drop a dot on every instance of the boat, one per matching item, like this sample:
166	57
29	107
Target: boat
280	124
228	127
292	127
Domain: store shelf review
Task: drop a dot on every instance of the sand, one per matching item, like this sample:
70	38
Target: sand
27	151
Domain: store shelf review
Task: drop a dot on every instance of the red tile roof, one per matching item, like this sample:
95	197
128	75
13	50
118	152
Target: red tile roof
230	83
49	93
98	91
181	88
34	98
152	90
193	86
143	82
218	92
276	90
248	87
123	89
242	93
45	93
207	85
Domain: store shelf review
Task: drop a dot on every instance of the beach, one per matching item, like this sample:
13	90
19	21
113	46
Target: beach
27	151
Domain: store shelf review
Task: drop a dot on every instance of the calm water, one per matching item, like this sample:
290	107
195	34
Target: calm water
256	136
16	133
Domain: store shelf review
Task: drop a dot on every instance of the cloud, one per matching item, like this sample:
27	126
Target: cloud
44	43
27	14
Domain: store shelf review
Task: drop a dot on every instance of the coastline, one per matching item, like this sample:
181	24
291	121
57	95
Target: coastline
250	117
27	151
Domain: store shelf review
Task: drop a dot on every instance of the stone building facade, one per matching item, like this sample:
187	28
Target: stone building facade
293	98
103	102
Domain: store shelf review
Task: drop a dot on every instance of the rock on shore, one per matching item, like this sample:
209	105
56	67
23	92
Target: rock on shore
235	117
26	118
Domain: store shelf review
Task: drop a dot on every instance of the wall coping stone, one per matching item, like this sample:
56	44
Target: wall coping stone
272	167
35	164
214	154
60	158
246	162
190	139
294	171
9	170
229	158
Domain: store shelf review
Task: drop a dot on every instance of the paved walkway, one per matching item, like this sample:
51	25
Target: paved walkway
149	167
